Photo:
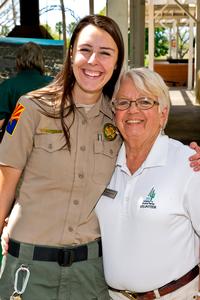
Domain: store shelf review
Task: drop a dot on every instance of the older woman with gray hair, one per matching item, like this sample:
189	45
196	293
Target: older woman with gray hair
149	214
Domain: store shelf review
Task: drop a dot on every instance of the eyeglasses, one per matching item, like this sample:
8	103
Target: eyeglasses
142	103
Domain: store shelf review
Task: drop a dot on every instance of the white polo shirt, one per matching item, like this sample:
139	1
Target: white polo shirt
150	221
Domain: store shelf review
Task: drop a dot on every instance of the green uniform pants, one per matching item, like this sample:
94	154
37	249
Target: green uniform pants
49	281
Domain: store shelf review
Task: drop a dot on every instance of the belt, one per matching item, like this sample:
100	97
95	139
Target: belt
64	256
166	289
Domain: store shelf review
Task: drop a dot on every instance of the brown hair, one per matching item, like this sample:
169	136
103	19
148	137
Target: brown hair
30	56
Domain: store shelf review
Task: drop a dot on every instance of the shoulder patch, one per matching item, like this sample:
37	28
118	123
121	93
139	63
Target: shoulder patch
12	123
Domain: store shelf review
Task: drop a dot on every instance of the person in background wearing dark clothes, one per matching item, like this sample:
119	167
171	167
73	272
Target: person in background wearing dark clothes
30	76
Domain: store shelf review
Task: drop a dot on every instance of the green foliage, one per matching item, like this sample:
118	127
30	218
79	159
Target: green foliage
161	42
52	33
4	30
58	27
103	11
48	28
183	39
70	28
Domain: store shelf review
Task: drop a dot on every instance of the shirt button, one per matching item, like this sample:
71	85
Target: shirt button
76	202
81	176
70	228
82	148
83	122
50	146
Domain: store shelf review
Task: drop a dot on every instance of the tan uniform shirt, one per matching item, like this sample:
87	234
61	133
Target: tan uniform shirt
59	189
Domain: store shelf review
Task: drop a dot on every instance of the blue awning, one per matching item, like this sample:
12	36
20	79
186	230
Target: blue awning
44	42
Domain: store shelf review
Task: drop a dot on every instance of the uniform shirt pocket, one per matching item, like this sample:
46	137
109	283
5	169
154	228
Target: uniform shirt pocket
49	152
105	154
50	142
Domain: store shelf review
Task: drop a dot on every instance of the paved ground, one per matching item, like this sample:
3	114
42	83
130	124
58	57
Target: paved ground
184	118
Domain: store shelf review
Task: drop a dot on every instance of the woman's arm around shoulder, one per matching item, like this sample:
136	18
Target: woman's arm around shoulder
195	159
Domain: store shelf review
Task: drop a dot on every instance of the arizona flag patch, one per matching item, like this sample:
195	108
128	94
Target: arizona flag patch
12	123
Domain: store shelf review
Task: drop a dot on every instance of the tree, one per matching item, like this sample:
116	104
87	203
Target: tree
103	11
4	30
70	28
161	42
51	32
59	29
63	27
183	38
91	7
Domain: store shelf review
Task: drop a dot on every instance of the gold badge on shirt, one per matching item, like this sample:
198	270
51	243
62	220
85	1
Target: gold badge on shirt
109	131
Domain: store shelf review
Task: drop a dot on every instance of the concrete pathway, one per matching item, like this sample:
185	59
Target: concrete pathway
184	118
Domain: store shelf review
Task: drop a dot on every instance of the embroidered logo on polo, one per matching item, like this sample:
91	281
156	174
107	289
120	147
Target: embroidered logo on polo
149	201
12	123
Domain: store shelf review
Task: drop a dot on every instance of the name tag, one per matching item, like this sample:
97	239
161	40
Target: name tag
51	131
109	193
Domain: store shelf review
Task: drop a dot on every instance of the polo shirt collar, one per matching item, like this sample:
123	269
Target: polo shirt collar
158	154
156	157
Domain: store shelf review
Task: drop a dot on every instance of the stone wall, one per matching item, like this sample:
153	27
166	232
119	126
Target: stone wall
53	56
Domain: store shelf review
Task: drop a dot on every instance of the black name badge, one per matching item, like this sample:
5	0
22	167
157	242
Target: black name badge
109	193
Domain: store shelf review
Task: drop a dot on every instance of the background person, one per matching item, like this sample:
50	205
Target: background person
149	214
59	138
30	76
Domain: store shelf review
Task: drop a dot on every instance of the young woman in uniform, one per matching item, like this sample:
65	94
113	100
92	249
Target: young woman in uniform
63	139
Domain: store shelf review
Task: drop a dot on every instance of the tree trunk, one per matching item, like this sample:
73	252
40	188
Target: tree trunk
91	5
64	28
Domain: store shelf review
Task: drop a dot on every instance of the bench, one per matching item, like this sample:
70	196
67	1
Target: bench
174	74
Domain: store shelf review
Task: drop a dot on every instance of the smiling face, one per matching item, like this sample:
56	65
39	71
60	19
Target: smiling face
135	125
94	58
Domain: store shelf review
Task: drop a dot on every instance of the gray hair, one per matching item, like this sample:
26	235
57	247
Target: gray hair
148	83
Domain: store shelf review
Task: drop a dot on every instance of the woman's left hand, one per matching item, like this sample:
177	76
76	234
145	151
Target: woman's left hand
5	239
195	159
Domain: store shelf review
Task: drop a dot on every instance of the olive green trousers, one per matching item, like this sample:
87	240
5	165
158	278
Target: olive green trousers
49	281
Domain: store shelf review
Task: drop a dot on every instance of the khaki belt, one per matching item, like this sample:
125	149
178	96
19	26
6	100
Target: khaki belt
164	290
